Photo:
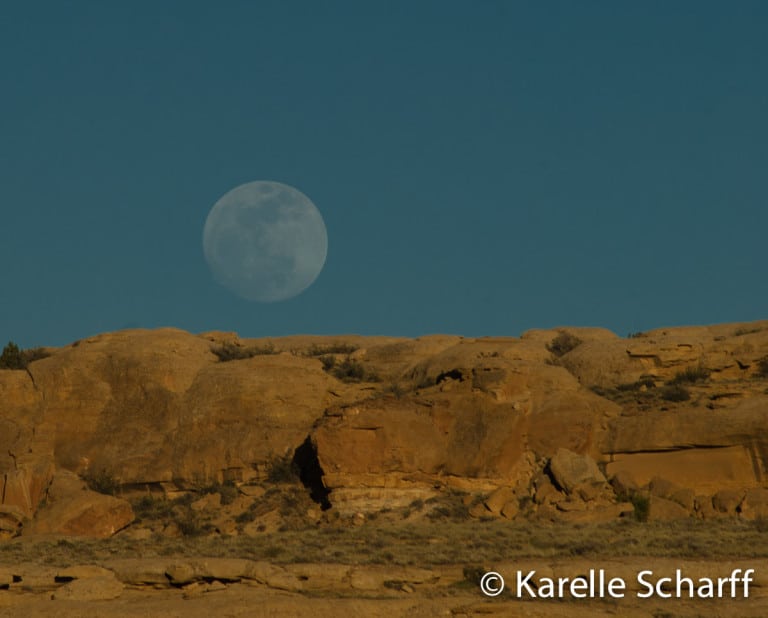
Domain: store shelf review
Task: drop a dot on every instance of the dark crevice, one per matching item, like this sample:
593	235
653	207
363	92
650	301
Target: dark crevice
548	472
453	374
34	384
311	474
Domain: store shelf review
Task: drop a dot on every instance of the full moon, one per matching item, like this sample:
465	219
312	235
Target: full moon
265	241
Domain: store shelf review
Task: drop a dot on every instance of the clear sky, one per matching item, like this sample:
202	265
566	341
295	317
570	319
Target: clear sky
482	167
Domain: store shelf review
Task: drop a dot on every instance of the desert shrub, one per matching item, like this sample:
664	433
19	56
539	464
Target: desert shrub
231	351
762	367
425	382
349	370
150	507
192	524
450	508
245	517
675	392
101	481
11	357
645	381
229	493
691	375
291	503
272	551
14	358
396	390
563	343
328	362
227	490
635	335
334	348
184	499
417	504
746	331
642	506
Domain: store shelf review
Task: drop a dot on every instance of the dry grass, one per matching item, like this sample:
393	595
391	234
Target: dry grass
426	543
232	351
563	343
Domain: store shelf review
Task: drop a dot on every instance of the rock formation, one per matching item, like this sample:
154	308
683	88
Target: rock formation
536	426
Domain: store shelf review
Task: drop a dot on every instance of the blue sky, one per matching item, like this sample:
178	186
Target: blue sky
482	168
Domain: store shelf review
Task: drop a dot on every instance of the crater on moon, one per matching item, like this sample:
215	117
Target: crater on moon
265	241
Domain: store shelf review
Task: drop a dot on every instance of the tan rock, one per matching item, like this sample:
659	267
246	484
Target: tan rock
570	470
11	522
703	507
24	487
686	498
662	487
623	483
590	491
321	576
181	573
754	504
208	501
510	509
101	588
705	470
663	509
727	501
498	499
252	491
479	510
139	571
546	492
80	512
6	578
470	413
572	504
82	571
372	578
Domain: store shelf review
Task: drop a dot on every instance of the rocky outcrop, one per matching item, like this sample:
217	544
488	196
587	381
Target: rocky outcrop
72	509
372	421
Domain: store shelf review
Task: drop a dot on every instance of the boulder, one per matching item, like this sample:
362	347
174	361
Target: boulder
498	499
755	503
546	492
663	509
76	511
510	509
727	501
685	497
569	470
101	588
81	571
703	507
661	487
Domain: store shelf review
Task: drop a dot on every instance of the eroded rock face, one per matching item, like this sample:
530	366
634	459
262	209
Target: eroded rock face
397	418
74	510
490	425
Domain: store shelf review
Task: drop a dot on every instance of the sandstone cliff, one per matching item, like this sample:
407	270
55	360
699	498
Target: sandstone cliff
677	415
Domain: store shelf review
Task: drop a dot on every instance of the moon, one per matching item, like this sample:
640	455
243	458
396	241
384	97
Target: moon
265	241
